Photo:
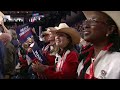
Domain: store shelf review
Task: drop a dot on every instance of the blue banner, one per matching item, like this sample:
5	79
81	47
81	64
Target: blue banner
38	53
24	32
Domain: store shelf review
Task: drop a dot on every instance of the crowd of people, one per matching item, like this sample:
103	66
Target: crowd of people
87	50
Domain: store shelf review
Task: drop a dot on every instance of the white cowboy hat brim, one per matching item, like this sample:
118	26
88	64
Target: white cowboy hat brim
115	15
45	33
1	14
48	30
1	19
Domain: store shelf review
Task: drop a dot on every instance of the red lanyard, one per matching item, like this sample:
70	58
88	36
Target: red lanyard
91	74
60	63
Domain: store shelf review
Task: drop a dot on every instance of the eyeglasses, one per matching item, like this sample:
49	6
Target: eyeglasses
92	22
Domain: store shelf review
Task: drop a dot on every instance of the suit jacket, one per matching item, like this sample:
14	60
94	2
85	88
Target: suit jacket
10	59
2	55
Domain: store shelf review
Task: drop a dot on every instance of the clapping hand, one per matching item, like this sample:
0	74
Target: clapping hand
38	67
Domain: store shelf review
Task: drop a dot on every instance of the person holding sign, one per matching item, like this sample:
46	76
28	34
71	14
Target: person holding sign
50	50
66	61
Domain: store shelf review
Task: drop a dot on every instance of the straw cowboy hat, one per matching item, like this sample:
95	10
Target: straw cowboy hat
48	30
63	27
115	15
45	33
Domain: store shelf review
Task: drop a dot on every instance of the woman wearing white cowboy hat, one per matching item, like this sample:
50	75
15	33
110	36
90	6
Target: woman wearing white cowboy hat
66	61
102	60
50	49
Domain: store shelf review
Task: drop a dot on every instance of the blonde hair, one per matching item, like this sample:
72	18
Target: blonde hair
54	50
30	40
25	45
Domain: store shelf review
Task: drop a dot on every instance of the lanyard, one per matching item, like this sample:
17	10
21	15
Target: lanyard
61	61
91	75
92	65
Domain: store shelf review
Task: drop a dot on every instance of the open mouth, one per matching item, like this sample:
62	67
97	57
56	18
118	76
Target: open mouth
86	32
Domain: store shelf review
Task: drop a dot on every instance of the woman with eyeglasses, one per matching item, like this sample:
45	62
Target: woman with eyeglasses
102	59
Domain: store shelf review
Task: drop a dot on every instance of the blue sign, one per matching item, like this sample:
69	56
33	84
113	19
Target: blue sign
24	32
38	53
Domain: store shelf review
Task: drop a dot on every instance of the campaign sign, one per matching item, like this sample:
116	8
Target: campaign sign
38	54
24	32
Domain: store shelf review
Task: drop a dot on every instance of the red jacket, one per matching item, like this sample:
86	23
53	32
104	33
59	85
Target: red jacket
50	59
68	70
23	61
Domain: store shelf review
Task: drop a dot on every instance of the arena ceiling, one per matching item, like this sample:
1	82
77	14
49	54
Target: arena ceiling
23	13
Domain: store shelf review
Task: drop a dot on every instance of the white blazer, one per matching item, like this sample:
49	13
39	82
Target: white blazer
106	65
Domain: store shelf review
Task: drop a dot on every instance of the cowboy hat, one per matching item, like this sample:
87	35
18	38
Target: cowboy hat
1	19
74	34
48	30
45	33
1	16
115	15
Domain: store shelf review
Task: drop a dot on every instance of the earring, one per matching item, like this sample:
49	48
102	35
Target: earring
107	35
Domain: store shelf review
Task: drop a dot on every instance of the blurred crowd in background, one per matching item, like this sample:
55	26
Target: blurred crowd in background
59	45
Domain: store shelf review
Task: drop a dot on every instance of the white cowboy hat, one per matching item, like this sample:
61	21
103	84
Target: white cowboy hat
1	19
63	27
115	15
48	30
1	16
45	33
